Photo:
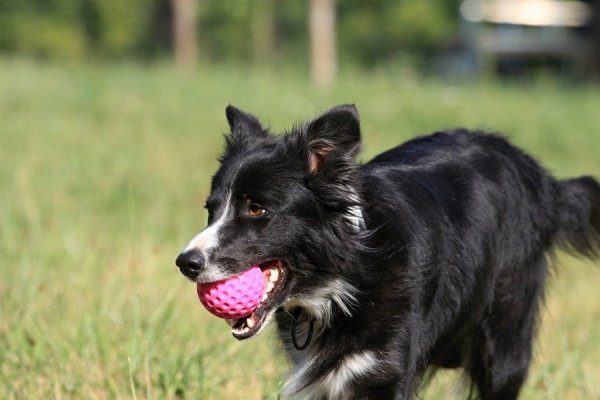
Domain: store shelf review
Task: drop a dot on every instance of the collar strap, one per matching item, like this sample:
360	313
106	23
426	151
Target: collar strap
311	325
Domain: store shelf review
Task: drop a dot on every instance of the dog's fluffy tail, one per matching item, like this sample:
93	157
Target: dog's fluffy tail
579	216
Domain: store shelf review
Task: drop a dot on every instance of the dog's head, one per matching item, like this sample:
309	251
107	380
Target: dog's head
289	203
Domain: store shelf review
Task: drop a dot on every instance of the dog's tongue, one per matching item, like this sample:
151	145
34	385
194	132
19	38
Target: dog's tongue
235	297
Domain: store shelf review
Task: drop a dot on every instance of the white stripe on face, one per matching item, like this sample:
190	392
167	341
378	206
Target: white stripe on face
207	240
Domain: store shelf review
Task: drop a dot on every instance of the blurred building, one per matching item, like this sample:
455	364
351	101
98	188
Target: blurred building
515	36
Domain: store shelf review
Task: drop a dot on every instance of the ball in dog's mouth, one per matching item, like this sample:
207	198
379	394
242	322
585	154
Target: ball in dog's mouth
245	300
235	297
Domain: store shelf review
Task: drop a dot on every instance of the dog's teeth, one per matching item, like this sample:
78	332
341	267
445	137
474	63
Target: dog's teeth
274	275
250	322
264	297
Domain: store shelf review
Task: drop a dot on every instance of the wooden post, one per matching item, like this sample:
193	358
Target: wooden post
322	41
185	40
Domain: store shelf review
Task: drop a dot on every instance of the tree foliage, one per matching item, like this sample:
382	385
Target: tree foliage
240	30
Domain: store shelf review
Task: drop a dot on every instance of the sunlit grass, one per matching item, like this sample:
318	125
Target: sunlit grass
103	171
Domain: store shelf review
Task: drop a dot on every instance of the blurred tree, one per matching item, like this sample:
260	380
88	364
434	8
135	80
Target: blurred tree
322	41
225	27
158	36
185	35
116	28
387	30
263	18
42	28
291	32
370	33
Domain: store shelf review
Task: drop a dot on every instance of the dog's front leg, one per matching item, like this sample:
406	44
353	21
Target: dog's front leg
394	376
396	388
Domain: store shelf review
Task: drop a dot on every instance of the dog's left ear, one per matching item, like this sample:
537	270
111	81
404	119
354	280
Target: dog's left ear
333	134
244	127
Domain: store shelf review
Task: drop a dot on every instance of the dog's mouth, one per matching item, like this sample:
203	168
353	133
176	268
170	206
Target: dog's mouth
275	275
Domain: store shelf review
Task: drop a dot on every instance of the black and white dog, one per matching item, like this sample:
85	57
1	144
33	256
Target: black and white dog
432	255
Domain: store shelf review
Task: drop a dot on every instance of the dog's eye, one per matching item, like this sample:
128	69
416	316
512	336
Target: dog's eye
254	210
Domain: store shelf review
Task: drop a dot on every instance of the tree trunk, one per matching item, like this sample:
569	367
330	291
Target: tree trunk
322	41
263	31
185	39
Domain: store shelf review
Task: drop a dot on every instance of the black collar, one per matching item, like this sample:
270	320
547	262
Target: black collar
299	317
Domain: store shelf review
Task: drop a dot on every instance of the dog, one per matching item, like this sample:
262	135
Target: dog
434	254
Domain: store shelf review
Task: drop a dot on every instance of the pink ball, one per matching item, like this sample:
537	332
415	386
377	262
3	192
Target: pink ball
235	297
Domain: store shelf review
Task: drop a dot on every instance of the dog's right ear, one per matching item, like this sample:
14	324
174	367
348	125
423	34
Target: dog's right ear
244	127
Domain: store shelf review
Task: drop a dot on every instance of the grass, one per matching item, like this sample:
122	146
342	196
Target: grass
103	171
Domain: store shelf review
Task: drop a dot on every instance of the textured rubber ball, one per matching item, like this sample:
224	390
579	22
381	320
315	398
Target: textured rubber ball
235	297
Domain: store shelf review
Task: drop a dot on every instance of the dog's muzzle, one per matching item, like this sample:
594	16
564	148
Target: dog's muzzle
190	263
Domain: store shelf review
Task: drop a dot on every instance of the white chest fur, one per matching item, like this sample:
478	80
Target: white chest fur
335	384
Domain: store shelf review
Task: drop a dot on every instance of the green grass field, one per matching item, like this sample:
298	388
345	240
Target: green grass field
103	173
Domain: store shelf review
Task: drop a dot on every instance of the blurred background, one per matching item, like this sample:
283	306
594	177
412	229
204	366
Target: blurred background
445	37
111	123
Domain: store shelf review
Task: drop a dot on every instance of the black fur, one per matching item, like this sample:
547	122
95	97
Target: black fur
446	267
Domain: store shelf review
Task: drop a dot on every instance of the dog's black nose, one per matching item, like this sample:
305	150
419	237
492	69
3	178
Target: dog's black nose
190	263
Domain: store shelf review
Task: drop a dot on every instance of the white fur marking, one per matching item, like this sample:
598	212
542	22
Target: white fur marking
356	219
209	239
319	303
355	215
334	385
293	386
